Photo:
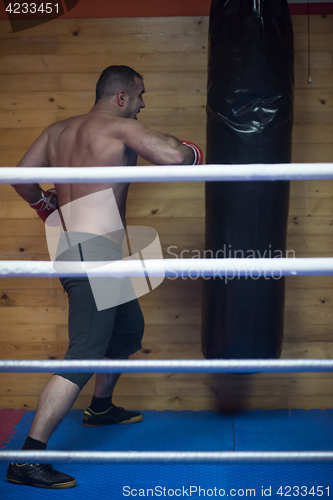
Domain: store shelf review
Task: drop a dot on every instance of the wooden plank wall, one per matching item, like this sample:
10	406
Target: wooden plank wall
48	74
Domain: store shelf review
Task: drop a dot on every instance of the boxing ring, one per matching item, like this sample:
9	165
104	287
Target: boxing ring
183	267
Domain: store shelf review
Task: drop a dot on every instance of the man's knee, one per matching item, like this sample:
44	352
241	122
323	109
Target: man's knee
80	379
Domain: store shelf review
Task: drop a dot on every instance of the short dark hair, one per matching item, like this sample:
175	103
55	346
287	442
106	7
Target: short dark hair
115	78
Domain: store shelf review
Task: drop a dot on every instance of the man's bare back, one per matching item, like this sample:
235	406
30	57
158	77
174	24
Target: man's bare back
109	135
89	141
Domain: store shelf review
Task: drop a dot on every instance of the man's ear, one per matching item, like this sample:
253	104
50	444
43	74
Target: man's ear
121	98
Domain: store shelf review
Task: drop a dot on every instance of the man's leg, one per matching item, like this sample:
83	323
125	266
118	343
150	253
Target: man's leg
101	410
105	383
125	339
55	401
59	394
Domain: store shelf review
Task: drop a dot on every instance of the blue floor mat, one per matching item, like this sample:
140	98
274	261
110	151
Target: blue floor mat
189	431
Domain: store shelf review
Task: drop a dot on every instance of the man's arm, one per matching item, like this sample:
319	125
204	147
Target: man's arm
44	202
34	157
155	147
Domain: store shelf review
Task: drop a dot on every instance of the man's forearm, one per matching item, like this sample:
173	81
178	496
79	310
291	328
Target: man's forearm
29	192
185	150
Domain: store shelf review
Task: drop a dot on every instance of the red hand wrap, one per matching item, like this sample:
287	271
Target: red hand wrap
198	156
47	204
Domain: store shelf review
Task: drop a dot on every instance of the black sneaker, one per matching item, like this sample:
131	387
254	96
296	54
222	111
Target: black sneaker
40	475
114	415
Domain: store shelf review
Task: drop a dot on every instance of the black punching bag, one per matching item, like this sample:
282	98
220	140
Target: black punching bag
249	120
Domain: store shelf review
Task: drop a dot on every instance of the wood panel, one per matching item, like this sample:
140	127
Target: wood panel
28	46
219	394
43	82
51	75
318	41
175	244
144	44
313	116
183	385
32	332
311	98
181	235
79	63
154	209
169	293
194	403
318	24
74	100
313	134
306	153
319	79
117	26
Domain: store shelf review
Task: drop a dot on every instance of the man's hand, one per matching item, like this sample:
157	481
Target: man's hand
198	156
47	204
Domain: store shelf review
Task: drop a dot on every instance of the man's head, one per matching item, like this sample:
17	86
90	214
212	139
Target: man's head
123	85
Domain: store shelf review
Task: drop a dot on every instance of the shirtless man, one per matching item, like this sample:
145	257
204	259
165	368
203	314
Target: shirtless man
109	135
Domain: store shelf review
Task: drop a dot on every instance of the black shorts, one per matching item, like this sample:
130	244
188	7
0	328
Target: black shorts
115	332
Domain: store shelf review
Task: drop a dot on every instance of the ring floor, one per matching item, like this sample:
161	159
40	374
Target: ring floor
257	430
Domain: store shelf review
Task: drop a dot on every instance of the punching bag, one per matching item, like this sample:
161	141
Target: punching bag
249	120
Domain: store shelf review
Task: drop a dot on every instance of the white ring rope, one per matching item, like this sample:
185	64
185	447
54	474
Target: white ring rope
165	456
173	268
166	366
260	172
184	267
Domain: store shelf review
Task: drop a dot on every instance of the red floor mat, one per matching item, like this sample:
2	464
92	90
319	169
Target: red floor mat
8	420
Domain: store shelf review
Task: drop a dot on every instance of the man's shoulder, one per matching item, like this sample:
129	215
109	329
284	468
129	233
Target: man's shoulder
117	127
67	121
129	125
